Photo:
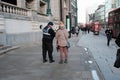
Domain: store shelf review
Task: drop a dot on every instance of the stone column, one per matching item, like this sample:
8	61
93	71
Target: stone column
37	5
21	3
0	6
76	8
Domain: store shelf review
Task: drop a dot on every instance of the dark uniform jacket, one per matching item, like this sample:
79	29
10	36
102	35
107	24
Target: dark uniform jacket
48	34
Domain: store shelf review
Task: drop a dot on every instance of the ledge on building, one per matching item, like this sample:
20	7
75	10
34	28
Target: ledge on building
5	49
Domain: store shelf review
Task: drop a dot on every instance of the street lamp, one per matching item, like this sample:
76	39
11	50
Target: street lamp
68	23
68	18
48	8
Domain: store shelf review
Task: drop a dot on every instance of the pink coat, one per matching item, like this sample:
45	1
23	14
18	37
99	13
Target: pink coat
61	36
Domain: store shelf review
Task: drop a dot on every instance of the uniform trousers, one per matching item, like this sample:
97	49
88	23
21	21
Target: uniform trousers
47	47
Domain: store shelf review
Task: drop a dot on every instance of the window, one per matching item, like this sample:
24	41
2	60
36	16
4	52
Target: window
14	2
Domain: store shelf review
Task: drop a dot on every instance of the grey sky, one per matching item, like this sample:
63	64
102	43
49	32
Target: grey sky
83	5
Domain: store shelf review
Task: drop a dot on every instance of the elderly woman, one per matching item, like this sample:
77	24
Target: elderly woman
61	37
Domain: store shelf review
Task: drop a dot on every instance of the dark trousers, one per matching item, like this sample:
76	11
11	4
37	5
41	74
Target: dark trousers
108	40
117	61
47	47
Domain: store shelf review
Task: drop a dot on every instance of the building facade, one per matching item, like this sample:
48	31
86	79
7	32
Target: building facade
20	19
74	12
117	3
100	15
108	7
63	10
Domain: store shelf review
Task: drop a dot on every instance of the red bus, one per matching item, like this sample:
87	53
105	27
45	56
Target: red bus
96	28
114	21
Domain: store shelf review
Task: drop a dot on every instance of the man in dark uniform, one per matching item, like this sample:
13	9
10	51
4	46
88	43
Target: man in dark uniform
108	33
47	42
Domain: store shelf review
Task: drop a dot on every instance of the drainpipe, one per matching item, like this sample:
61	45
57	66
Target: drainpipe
61	14
0	6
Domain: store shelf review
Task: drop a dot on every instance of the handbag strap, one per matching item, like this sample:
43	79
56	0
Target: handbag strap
65	36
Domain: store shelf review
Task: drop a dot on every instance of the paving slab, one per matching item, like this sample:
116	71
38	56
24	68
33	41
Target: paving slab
26	63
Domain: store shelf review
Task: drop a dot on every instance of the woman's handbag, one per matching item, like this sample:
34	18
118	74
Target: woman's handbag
68	44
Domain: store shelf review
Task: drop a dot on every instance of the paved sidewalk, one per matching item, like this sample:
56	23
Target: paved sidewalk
25	63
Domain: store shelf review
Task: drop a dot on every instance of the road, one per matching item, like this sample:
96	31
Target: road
103	55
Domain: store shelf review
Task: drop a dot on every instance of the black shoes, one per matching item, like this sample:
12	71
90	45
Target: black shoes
44	61
60	62
51	61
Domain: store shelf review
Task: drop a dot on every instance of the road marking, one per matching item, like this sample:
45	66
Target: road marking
90	62
85	49
94	75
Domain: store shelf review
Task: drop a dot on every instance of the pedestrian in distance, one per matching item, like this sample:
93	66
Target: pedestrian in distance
108	33
73	31
77	31
47	42
88	28
61	39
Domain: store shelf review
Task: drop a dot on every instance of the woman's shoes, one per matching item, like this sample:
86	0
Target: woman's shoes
61	61
65	61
